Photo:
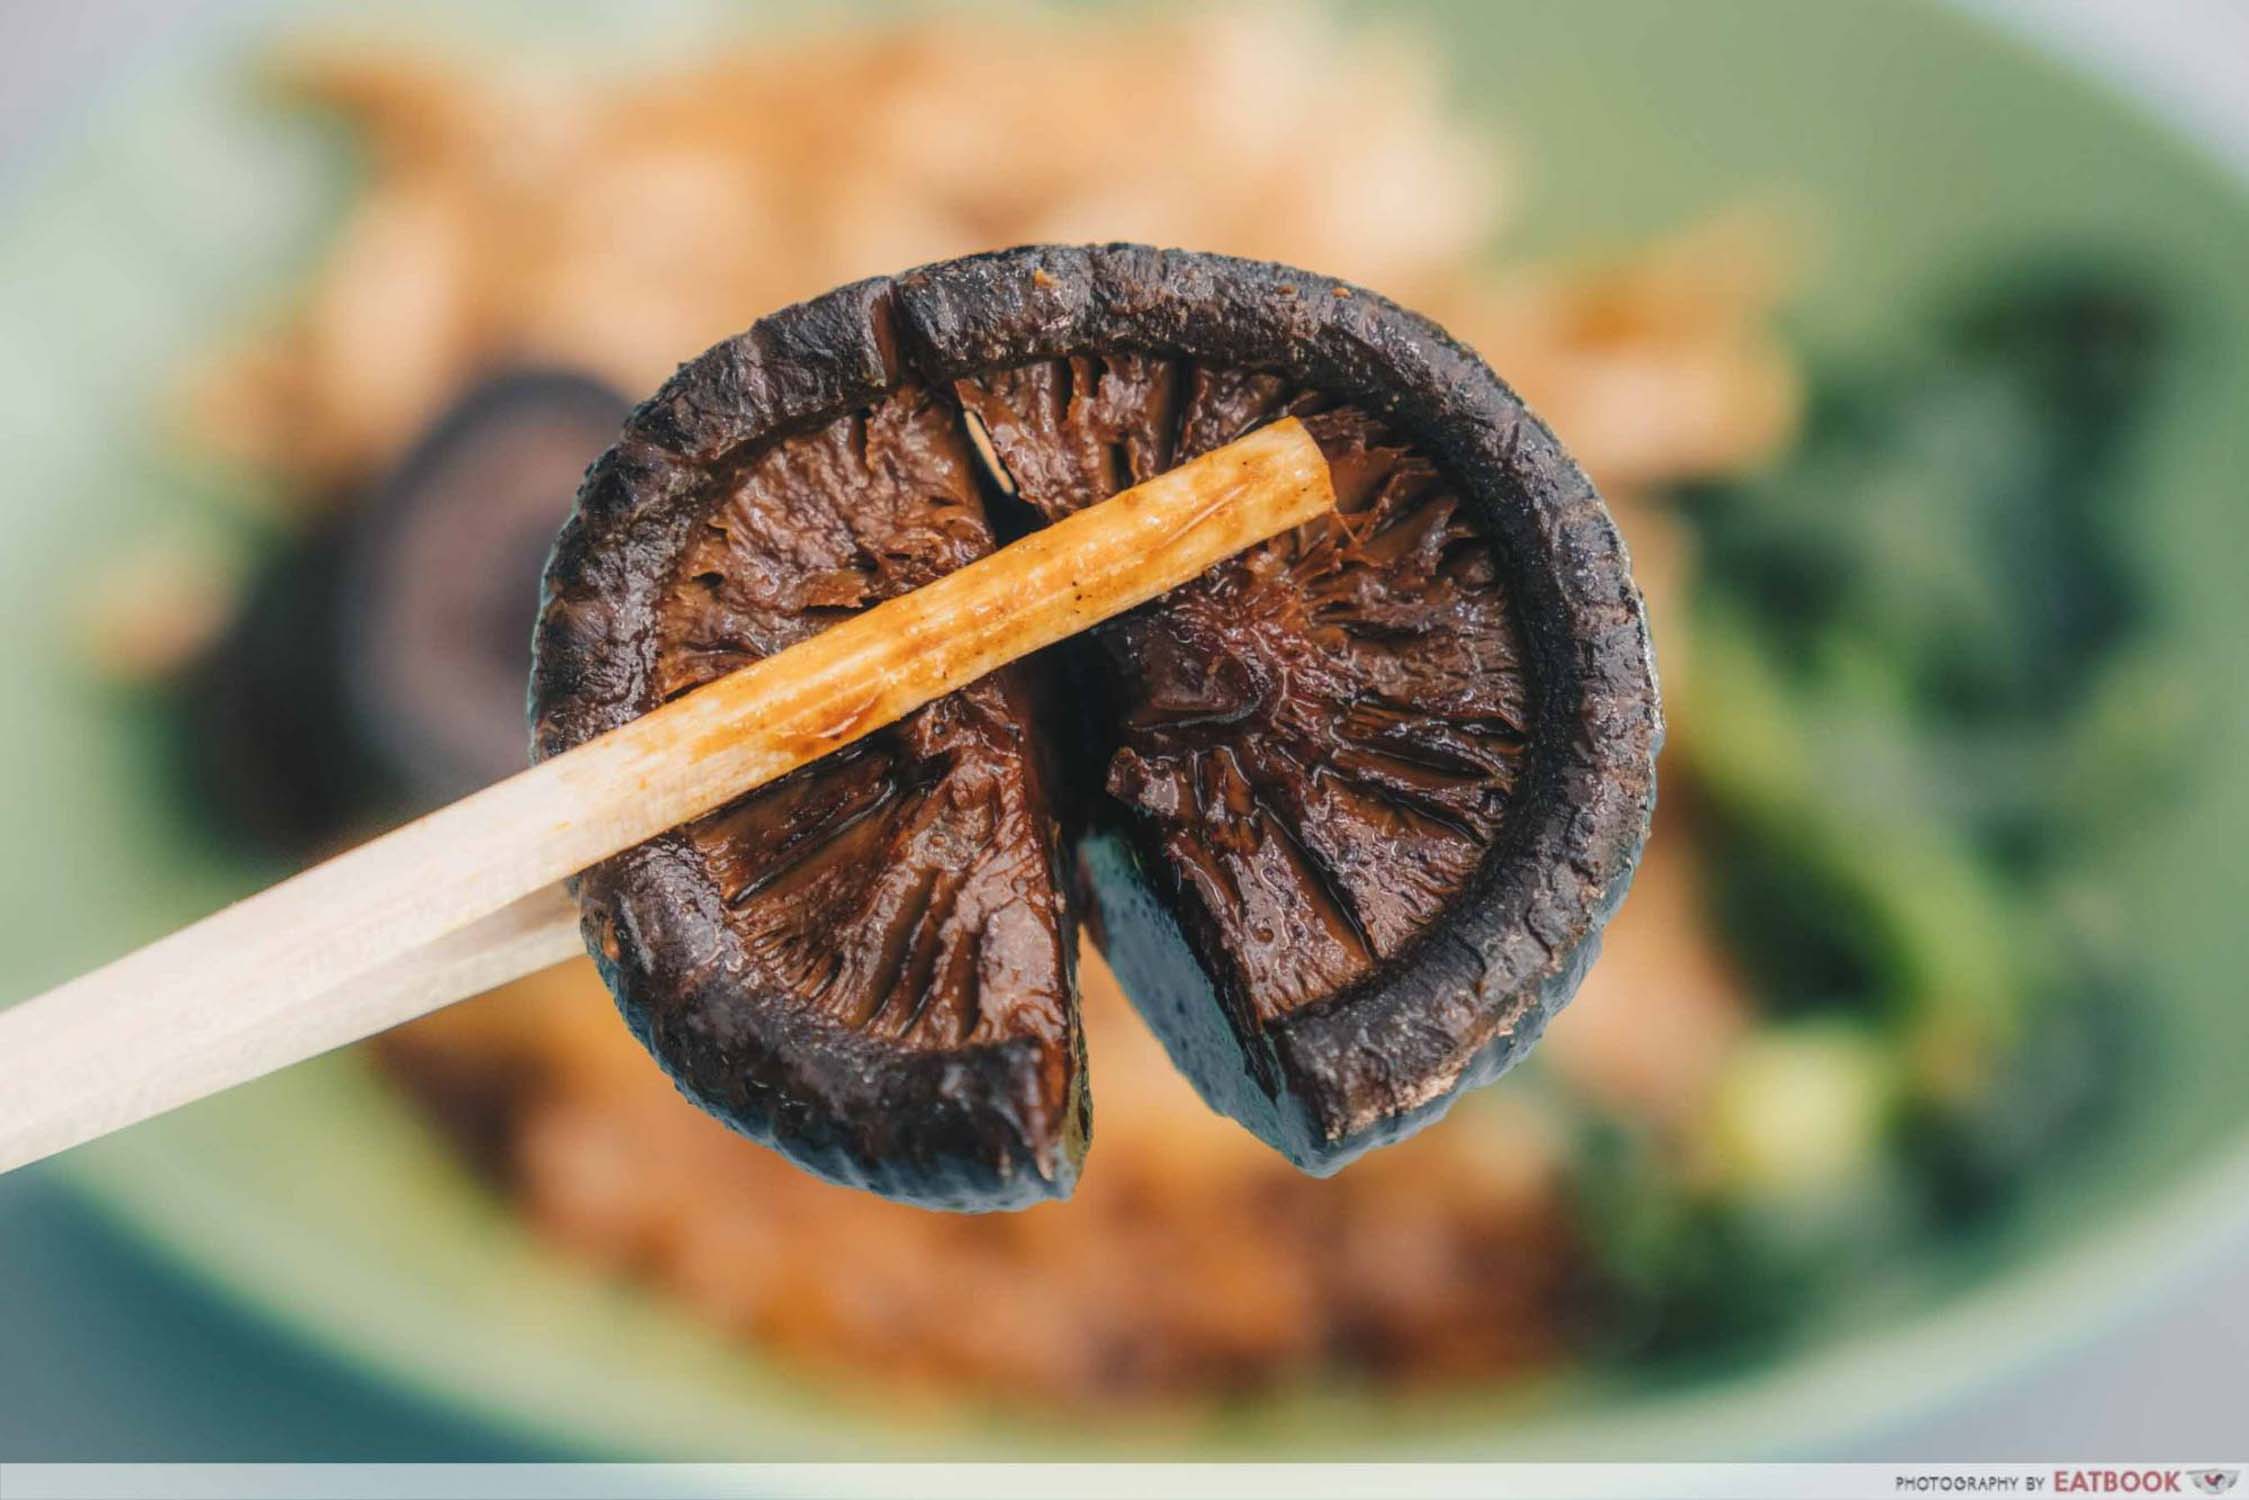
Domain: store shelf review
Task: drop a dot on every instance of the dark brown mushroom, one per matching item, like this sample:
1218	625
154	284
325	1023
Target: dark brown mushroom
442	562
375	667
1347	813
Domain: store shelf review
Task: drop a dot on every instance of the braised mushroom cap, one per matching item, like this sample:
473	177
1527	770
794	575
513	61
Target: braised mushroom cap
1485	786
439	566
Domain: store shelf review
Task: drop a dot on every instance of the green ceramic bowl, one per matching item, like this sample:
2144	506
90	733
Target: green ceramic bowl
1922	145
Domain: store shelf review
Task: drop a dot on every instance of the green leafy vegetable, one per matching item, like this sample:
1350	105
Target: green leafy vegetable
1926	674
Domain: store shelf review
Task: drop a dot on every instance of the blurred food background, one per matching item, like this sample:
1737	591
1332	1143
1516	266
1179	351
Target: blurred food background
1877	1029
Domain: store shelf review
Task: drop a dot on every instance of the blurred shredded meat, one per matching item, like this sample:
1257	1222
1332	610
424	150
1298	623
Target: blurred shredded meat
1194	1260
622	226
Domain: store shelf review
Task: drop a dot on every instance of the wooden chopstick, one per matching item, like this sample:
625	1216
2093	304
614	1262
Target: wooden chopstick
467	897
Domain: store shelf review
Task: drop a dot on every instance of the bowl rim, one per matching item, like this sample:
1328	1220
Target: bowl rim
1972	1341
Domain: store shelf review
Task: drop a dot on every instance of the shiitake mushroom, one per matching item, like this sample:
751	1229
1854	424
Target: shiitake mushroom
1346	813
376	666
442	566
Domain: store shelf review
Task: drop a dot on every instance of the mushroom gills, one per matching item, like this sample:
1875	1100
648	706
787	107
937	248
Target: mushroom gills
895	908
1310	749
1274	778
1344	835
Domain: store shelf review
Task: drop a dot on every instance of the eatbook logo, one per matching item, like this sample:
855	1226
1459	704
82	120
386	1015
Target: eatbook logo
2214	1481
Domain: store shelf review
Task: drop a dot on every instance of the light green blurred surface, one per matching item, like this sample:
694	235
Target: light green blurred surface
1920	148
